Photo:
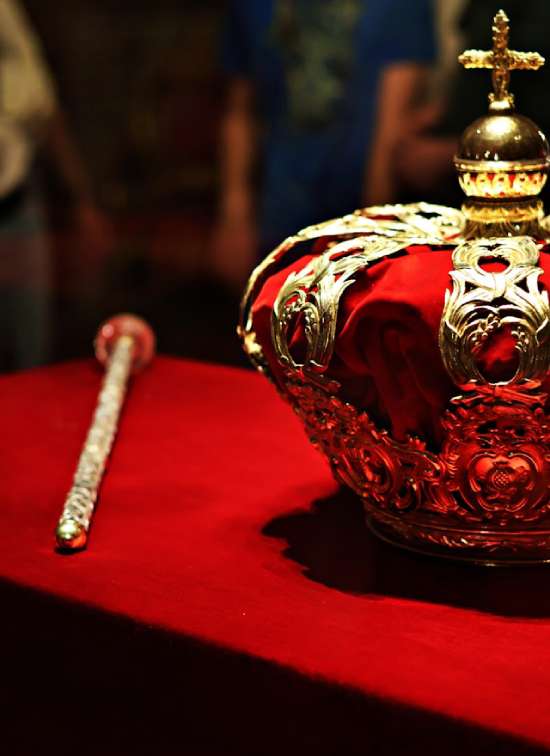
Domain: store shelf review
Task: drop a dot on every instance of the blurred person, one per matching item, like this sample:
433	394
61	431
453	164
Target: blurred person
31	121
424	158
319	93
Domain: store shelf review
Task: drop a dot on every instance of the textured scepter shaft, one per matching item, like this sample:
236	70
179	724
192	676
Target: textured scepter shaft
72	529
124	344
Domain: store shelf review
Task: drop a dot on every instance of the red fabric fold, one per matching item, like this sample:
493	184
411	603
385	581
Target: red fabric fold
386	356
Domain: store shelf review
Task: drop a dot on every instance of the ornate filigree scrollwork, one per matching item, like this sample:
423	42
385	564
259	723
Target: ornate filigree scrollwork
313	294
396	226
414	223
431	224
497	454
395	475
493	470
482	302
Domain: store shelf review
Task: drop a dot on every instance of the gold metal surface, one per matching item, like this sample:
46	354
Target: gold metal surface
482	303
71	535
393	474
73	526
503	145
501	60
506	166
513	212
483	497
485	219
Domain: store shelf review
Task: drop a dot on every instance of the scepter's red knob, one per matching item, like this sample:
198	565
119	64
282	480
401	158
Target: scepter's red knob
126	324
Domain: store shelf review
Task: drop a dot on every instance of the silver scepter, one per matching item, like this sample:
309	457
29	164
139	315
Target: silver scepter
124	344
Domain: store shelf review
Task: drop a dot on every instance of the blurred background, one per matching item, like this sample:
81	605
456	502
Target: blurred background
152	153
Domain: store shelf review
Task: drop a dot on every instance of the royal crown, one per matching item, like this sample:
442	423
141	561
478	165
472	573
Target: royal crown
413	341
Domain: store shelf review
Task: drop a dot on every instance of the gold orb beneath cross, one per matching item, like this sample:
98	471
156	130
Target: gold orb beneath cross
502	155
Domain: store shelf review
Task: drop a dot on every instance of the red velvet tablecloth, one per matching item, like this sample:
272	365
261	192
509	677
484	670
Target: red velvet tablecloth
231	600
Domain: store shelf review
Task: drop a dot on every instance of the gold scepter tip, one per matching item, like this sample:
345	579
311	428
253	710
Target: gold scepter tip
70	535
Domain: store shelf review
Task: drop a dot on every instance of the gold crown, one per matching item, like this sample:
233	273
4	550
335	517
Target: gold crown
482	491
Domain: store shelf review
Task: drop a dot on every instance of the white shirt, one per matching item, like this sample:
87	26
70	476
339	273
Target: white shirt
27	95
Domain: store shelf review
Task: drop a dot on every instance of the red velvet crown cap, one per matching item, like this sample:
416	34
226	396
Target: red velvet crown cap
386	355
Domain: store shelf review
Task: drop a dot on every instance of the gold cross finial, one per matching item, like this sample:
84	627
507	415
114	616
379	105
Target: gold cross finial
501	61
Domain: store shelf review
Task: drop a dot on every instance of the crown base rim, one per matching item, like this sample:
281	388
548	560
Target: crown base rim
487	548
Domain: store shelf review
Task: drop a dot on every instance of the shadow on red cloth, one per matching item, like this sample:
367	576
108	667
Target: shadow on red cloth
336	548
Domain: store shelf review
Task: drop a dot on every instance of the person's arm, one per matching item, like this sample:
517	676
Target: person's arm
235	243
29	100
398	91
424	160
237	152
61	150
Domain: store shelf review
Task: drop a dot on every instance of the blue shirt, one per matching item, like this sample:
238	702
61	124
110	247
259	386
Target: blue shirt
315	65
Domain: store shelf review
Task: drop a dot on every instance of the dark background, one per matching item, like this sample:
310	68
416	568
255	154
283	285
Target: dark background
141	88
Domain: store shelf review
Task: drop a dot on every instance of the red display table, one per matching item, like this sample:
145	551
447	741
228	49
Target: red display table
231	600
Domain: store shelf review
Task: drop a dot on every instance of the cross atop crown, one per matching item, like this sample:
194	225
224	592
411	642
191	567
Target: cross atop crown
501	61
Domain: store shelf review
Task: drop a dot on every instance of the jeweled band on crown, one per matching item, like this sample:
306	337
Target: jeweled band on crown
484	492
